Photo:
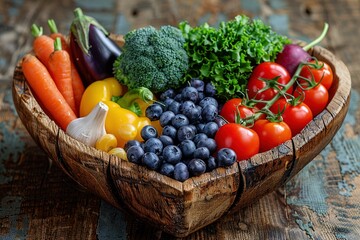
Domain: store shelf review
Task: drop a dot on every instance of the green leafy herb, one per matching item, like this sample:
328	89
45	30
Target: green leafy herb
226	55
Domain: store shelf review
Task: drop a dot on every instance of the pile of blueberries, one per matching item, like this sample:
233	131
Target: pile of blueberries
186	147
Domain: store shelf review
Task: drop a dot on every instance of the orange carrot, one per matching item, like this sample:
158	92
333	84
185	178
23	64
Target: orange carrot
43	45
55	34
78	86
59	66
41	82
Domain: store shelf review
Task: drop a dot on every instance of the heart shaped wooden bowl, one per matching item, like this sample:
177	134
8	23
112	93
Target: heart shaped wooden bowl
180	208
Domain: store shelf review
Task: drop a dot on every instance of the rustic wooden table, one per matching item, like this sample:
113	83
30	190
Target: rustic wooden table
38	201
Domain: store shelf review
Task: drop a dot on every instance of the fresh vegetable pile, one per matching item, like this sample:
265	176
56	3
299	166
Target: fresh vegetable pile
178	100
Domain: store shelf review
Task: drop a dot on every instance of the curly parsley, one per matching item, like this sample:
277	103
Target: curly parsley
226	55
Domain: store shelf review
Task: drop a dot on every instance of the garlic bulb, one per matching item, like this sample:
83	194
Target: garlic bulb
90	128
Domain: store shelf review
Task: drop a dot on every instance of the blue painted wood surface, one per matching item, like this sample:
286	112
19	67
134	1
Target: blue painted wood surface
321	202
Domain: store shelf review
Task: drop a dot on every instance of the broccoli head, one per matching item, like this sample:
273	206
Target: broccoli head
152	58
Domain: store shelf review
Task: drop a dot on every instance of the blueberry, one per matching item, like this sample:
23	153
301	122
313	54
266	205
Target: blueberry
178	97
179	120
210	89
201	96
181	172
226	157
211	164
167	169
174	107
166	118
198	84
189	93
193	127
172	154
154	111
148	132
134	154
186	107
167	103
210	129
185	132
208	101
166	140
131	143
196	167
208	143
202	153
153	145
209	113
195	114
170	131
170	93
151	160
198	137
187	148
220	121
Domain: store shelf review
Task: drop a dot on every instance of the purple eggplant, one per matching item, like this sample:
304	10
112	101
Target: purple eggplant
293	54
92	50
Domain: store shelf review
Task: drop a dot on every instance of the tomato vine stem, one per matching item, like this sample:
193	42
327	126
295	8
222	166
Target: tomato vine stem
282	91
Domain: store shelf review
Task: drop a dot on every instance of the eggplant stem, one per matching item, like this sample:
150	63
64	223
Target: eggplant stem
80	28
319	39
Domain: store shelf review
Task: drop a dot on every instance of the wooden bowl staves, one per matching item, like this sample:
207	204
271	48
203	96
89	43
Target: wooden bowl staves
175	207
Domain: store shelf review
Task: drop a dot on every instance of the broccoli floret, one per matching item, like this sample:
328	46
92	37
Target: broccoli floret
152	58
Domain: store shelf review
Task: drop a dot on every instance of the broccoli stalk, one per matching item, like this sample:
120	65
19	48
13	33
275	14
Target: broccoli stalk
128	99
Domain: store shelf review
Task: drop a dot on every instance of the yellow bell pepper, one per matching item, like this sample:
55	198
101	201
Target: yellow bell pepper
124	124
101	90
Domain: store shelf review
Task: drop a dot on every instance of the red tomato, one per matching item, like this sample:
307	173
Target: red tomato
271	134
316	98
244	141
323	75
268	71
296	117
232	107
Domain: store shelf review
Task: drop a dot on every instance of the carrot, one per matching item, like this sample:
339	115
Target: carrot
55	34
43	45
59	66
77	83
41	82
78	87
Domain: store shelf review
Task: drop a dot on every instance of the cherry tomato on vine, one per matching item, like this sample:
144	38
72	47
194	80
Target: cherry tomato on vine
316	98
233	107
271	134
244	141
295	116
323	75
268	71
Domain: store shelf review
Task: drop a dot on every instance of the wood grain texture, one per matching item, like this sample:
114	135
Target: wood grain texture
320	202
175	207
